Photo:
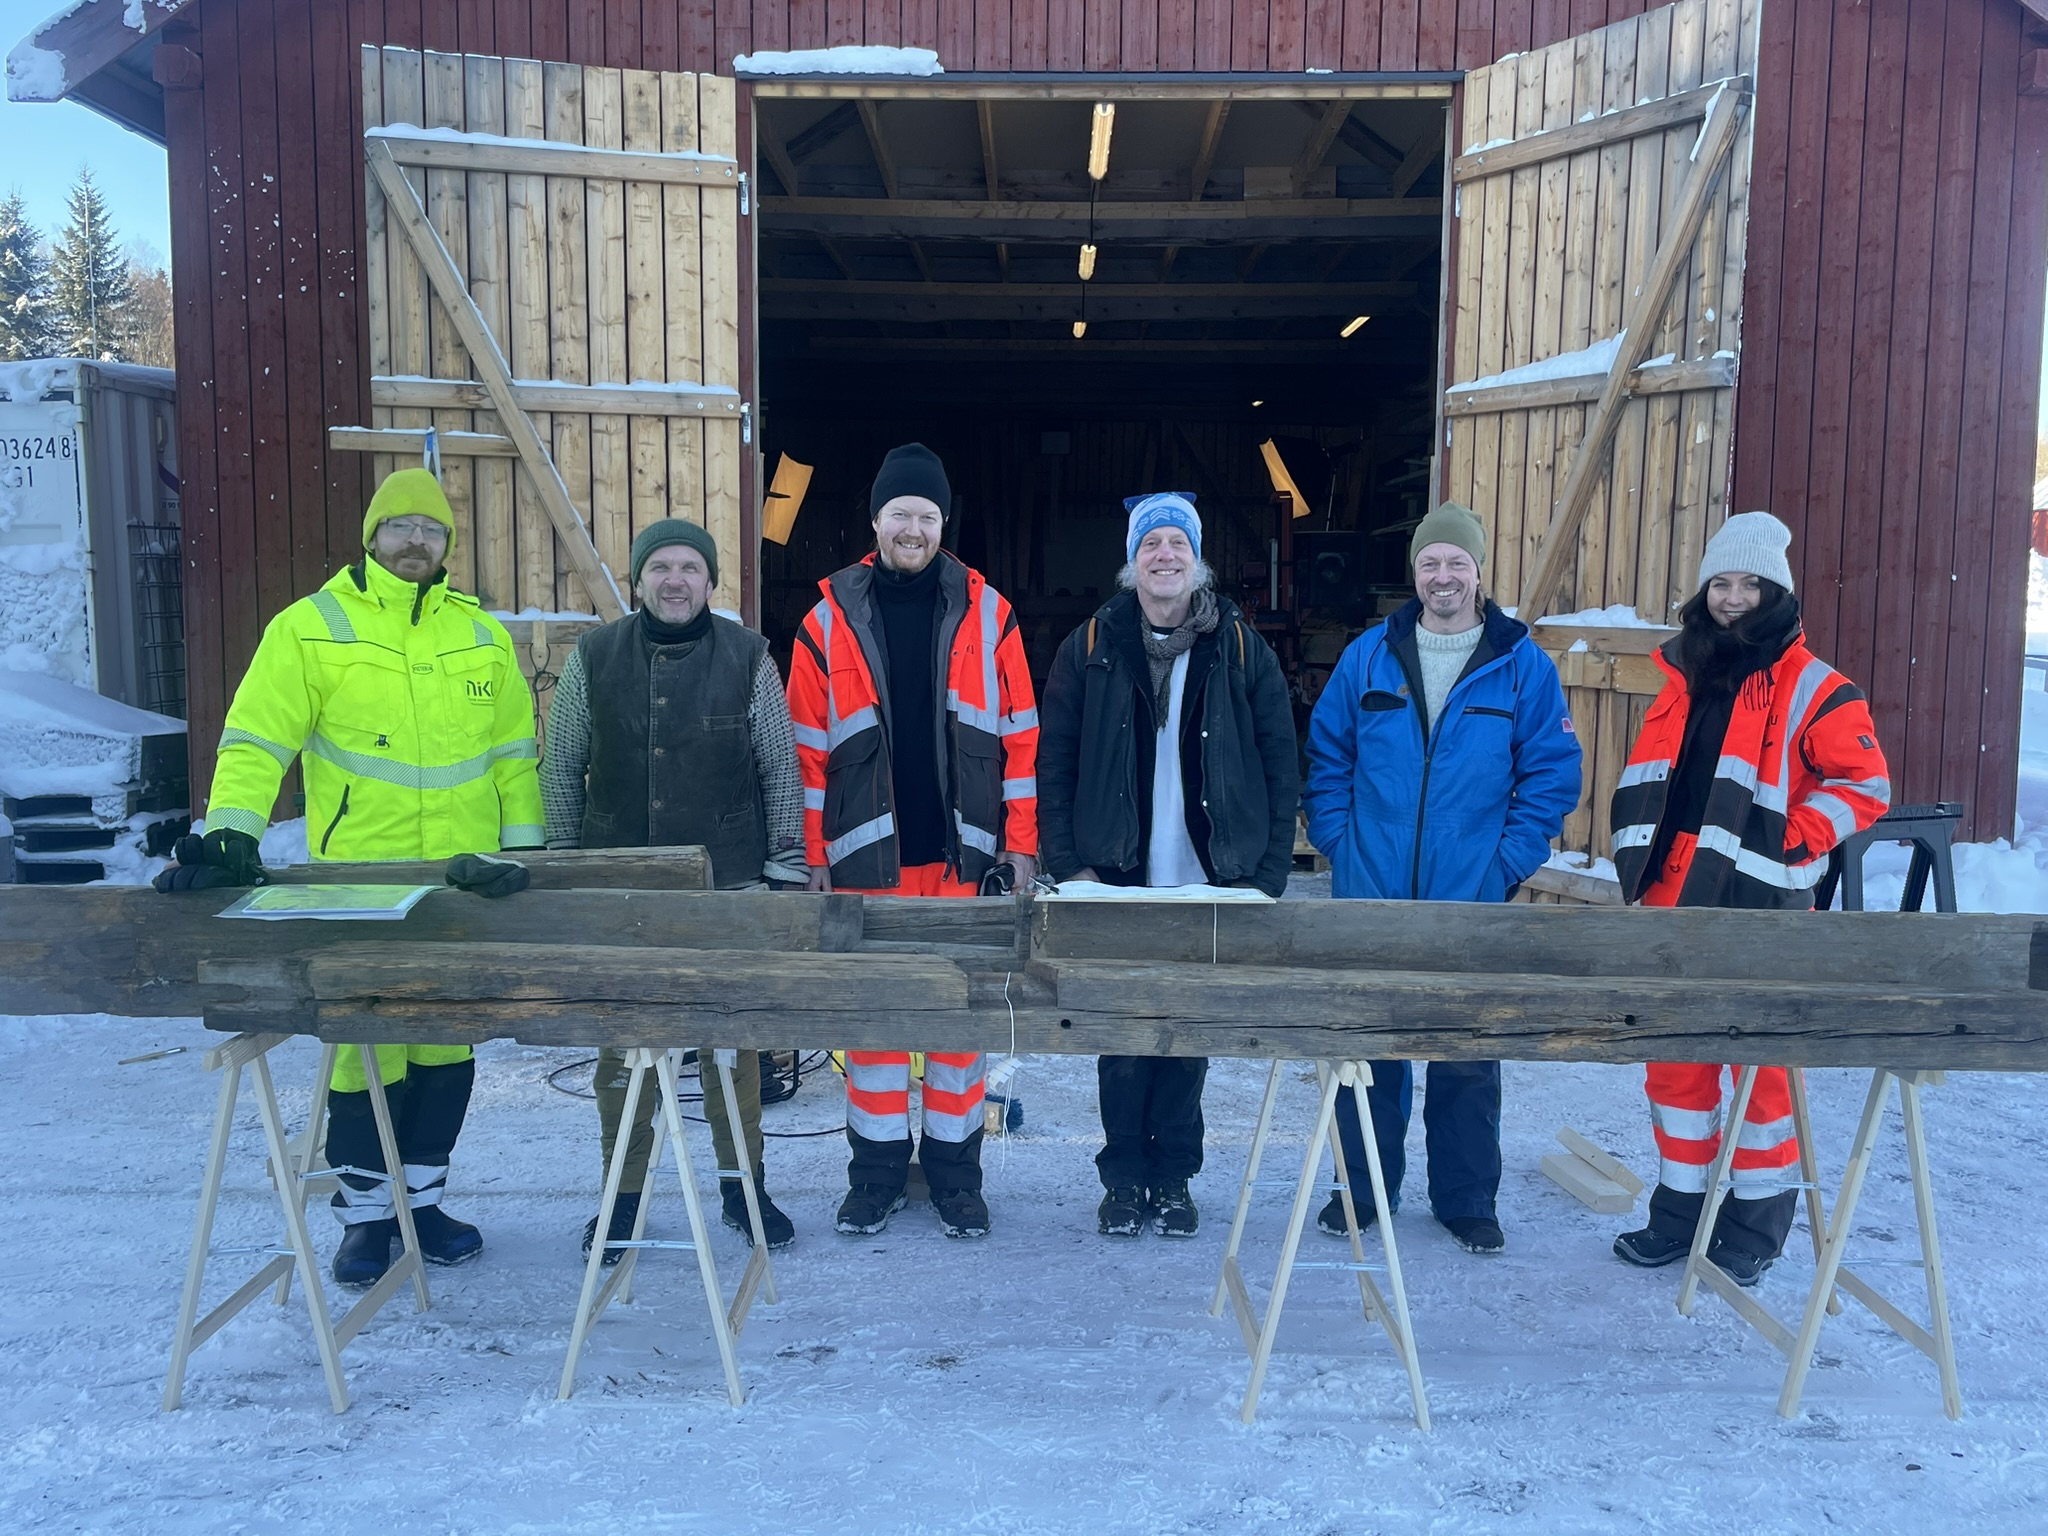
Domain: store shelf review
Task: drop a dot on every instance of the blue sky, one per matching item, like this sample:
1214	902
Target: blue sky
43	147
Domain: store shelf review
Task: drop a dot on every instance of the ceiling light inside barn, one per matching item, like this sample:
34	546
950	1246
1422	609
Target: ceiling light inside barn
1098	139
1087	262
1080	329
1356	322
1257	403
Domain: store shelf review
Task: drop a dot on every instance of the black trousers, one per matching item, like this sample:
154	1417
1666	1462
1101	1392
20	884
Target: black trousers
428	1106
1151	1119
948	1165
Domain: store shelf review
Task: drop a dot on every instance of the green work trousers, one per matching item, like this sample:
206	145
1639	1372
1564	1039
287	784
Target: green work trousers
610	1082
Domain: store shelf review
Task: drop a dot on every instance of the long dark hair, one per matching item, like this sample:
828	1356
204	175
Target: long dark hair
1719	661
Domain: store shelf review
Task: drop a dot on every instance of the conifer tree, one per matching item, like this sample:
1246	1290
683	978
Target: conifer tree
27	317
90	278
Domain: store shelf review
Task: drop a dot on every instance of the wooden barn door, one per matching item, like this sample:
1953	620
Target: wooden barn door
553	270
1599	222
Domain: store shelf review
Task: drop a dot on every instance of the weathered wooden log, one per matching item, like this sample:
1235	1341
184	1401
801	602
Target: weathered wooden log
118	949
623	997
552	869
1970	950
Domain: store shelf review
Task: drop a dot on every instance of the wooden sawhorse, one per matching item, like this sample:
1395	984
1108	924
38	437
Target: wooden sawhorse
668	1126
289	1171
1259	1333
1831	1239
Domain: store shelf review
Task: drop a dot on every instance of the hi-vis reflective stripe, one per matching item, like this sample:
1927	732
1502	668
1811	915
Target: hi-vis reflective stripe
525	746
810	736
1020	789
1764	1137
1636	835
1022	720
982	716
814	799
284	754
411	775
1651	772
838	728
1800	877
1812	678
973	836
483	632
1686	1124
1837	812
330	609
865	835
521	836
255	823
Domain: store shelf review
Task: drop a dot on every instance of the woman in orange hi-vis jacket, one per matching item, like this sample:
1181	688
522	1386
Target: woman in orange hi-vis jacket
1756	759
917	734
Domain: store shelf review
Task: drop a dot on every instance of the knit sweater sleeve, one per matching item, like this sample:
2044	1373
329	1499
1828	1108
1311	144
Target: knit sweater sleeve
567	758
782	787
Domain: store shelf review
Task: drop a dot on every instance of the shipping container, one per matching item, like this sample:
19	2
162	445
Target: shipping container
90	587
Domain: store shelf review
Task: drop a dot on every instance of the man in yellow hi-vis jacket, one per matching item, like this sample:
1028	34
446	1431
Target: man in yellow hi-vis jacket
404	703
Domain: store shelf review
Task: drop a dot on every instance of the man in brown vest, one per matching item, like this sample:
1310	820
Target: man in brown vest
670	727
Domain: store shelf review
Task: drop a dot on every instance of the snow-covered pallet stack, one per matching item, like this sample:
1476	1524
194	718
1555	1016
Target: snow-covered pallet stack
90	788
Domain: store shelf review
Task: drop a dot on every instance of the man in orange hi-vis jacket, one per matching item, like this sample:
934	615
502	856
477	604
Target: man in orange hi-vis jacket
917	733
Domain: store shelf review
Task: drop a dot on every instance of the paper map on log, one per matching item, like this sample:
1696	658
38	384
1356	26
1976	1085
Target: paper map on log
1089	890
330	903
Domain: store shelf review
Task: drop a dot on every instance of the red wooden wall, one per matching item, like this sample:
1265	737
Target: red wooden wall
1891	332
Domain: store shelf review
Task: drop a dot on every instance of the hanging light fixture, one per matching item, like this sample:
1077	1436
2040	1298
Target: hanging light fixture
1087	261
1080	329
1353	327
1099	131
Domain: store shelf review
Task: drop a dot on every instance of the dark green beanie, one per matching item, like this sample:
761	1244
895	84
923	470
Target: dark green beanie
1450	523
675	530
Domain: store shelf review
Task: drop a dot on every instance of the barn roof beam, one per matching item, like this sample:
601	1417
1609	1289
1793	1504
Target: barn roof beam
1018	221
824	299
101	53
776	153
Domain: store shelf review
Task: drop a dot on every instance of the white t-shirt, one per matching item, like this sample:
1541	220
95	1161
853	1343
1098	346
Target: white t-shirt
1170	857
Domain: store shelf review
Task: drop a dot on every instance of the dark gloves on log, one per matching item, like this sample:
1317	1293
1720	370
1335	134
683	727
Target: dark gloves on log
487	876
221	858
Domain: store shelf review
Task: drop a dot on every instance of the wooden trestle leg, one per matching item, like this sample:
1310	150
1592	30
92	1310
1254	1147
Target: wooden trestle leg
1260	1332
598	1293
1831	1239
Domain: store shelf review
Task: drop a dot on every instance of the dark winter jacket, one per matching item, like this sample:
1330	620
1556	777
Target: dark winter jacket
1097	746
1464	813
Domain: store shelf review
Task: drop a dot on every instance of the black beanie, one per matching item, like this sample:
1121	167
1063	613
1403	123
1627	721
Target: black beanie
912	470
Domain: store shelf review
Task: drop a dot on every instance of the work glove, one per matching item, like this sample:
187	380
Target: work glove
222	858
487	875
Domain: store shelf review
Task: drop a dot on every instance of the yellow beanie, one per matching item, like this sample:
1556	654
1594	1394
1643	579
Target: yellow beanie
409	493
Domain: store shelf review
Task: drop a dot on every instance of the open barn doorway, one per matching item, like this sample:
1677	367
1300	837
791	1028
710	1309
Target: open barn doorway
1266	269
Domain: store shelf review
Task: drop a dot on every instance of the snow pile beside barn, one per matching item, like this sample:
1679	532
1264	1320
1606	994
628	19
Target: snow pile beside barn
851	59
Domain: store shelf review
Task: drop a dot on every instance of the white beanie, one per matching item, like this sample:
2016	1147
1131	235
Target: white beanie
1753	543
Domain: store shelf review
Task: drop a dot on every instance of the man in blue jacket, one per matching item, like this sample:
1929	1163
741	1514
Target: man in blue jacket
1441	764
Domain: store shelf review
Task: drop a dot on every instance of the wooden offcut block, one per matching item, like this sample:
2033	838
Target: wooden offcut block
1592	1176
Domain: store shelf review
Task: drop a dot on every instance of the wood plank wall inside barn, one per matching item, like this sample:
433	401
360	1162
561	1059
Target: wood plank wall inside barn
1891	346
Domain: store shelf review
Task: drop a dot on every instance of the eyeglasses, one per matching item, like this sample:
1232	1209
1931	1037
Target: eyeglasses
423	529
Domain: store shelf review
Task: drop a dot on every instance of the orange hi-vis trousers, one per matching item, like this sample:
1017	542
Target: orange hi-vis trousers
1685	1099
878	1082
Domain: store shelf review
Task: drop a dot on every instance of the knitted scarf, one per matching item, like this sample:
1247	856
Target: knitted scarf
1162	650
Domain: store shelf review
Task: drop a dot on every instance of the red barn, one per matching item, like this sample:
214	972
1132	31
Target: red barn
1606	271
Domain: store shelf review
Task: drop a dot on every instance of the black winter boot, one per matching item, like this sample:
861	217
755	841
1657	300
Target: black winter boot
962	1212
365	1253
1475	1234
624	1210
1330	1219
867	1208
1122	1212
1674	1218
779	1230
1173	1210
443	1239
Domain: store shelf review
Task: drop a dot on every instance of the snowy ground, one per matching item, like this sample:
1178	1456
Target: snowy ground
1045	1380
